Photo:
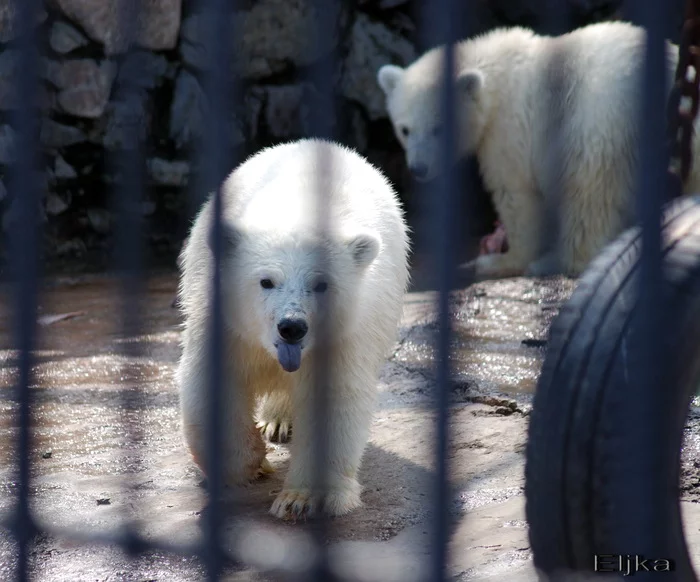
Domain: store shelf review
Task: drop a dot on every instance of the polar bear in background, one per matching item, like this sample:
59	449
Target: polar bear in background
272	289
513	87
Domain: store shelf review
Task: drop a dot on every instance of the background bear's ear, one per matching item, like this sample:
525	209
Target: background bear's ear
388	76
470	82
230	236
364	248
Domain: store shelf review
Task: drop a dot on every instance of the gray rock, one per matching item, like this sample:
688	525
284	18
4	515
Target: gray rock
100	220
63	170
358	131
9	65
372	45
168	173
55	205
65	38
9	69
277	35
84	85
288	109
188	110
284	114
157	28
8	11
148	207
7	144
74	247
128	121
389	4
254	102
11	216
56	135
144	69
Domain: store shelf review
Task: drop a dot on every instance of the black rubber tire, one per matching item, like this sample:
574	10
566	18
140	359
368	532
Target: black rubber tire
572	453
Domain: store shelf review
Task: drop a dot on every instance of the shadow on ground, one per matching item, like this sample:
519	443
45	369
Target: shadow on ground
107	449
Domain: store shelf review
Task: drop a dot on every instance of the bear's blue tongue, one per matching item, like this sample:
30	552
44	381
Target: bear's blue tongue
289	356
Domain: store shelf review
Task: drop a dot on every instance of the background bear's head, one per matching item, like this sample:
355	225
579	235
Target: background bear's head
414	103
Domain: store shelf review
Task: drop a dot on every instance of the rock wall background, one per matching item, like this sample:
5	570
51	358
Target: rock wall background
83	122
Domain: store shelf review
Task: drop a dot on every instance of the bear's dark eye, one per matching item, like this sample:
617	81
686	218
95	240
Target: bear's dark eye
267	284
405	131
321	287
437	130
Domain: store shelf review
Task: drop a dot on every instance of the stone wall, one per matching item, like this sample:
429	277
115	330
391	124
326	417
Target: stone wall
83	122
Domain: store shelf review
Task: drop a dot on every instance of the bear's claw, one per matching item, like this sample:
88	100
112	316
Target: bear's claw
264	469
294	504
274	430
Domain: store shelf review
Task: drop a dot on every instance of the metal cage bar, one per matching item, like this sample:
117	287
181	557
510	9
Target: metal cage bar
25	188
443	227
646	532
219	89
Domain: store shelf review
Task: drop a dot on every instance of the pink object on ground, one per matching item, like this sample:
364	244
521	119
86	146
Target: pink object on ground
496	242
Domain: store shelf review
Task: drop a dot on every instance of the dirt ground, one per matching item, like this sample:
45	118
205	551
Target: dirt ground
90	477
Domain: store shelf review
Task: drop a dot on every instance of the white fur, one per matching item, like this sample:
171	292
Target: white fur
505	109
270	216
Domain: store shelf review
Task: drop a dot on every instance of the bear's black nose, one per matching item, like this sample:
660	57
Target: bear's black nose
419	170
292	330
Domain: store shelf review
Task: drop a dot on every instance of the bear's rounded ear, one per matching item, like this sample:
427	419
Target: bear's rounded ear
470	82
230	237
364	248
388	77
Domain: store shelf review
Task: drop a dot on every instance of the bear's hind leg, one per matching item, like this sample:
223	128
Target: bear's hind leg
520	219
242	448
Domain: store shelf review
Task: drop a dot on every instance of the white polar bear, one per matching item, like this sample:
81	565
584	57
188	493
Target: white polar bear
272	288
512	87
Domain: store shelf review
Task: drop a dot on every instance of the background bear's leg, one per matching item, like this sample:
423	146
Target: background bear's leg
592	215
274	415
242	447
347	425
520	214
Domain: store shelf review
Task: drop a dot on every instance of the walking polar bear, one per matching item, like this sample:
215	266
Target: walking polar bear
513	87
272	290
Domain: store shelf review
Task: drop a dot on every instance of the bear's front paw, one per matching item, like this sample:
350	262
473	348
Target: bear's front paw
246	462
293	504
274	416
275	430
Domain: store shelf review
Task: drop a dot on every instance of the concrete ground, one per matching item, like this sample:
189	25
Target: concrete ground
88	476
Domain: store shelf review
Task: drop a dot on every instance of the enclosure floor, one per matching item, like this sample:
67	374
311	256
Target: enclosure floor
83	463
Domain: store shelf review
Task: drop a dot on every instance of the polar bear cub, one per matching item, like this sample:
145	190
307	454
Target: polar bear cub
272	291
513	87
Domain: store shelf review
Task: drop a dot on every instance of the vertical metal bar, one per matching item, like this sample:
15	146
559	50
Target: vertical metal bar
322	127
644	531
128	164
24	188
447	14
218	87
